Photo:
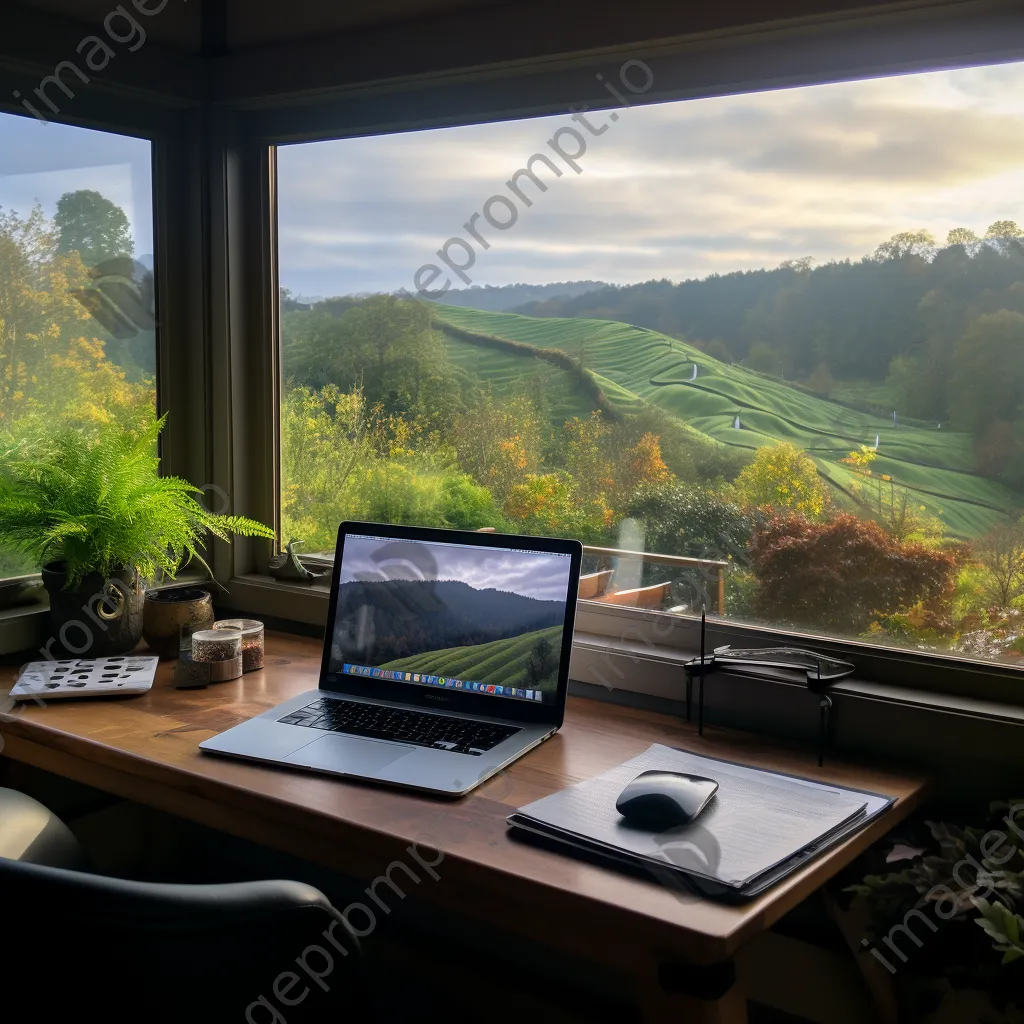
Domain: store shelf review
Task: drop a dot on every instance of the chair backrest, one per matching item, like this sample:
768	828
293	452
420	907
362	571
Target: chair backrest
91	947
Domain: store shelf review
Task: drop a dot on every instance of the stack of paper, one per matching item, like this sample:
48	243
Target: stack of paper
759	826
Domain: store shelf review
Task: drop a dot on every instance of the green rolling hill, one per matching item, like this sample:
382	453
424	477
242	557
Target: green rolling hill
634	365
501	662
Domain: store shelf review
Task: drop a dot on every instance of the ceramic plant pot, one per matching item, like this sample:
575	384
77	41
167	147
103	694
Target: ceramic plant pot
98	618
168	612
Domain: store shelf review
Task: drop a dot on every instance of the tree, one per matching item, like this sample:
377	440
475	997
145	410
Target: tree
717	349
1001	552
541	663
893	507
906	244
821	382
783	478
1004	229
763	358
383	345
803	264
680	519
843	574
640	464
499	442
987	380
962	236
93	226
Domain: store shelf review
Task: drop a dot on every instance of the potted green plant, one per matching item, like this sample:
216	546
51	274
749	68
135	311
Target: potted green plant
93	512
941	905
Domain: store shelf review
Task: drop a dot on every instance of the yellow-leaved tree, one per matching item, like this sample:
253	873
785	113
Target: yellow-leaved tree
52	367
784	478
54	371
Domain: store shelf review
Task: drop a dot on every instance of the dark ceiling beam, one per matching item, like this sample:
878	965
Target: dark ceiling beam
214	28
533	31
34	43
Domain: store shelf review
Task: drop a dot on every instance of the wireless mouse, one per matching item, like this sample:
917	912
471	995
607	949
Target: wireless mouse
658	800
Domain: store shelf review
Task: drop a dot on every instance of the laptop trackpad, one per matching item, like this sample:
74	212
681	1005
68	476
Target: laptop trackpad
349	755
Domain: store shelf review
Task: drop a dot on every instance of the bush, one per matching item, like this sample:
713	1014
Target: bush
391	492
740	593
547	504
468	506
843	574
678	519
784	478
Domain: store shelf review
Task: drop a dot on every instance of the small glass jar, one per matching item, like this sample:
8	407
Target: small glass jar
216	645
251	631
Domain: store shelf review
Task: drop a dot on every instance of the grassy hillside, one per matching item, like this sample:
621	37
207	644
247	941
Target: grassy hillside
500	663
635	365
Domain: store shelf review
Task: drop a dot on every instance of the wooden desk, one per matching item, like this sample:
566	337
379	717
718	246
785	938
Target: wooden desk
673	945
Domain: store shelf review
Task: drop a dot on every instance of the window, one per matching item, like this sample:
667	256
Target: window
773	341
77	316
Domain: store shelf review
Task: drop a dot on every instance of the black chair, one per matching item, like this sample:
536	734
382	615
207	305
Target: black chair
82	946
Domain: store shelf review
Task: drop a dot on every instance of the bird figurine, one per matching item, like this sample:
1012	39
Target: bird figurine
286	566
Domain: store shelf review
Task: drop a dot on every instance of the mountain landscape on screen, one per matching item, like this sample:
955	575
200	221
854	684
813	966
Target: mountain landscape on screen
447	627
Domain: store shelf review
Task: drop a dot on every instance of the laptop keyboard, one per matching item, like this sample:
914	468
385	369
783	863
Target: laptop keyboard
441	732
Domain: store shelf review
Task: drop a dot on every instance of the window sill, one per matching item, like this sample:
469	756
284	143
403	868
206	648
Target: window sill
664	667
633	656
25	626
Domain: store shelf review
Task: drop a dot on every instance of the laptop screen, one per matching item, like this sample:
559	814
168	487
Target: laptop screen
483	620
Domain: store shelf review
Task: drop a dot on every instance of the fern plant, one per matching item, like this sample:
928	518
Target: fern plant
97	505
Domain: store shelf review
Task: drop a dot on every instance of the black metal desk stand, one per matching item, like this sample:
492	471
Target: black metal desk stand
753	663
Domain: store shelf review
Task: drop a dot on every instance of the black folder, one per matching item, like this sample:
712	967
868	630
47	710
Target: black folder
760	827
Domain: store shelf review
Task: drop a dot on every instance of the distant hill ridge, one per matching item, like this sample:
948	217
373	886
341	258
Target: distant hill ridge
501	298
413	616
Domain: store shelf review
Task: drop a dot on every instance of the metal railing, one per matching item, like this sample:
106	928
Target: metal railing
712	570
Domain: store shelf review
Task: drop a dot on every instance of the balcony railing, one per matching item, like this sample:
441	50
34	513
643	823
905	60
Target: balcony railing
600	585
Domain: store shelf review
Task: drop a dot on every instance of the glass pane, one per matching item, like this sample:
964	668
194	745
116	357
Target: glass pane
773	342
77	317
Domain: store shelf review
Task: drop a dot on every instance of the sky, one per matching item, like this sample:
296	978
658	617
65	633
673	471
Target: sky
676	190
39	162
538	575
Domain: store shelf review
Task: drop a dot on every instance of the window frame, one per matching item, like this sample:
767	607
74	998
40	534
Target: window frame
216	275
175	131
841	49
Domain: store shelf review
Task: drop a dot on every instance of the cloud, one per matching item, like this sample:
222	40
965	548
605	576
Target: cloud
538	575
40	162
672	190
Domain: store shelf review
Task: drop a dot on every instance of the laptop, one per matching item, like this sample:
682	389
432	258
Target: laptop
446	658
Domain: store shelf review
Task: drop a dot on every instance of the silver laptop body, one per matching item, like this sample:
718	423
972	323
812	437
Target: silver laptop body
456	643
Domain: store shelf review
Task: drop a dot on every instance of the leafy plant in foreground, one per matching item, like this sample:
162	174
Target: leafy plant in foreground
98	505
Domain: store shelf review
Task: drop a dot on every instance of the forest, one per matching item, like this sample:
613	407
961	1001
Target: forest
847	437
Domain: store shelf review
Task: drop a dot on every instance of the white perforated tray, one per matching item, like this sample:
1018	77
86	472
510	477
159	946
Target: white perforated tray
85	677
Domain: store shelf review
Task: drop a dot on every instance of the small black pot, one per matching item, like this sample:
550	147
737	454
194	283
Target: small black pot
96	619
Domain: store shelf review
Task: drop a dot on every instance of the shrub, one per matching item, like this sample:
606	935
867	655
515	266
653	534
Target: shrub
468	506
392	492
547	504
843	574
782	477
740	593
679	519
1001	553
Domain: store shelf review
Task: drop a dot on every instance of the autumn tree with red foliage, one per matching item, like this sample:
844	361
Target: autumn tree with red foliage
842	574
